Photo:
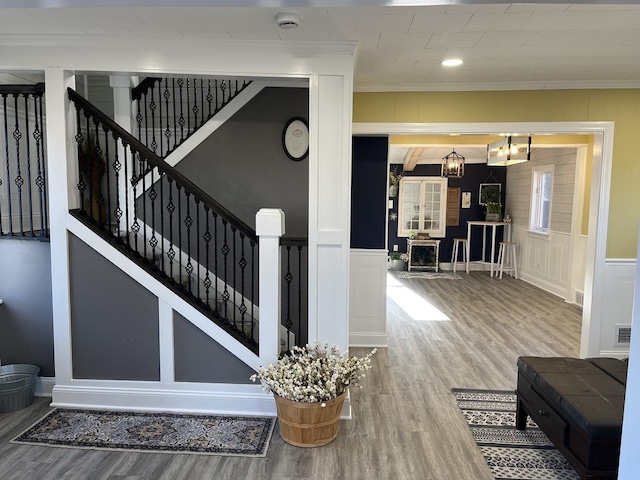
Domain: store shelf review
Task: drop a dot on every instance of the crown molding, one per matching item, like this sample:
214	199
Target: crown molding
497	86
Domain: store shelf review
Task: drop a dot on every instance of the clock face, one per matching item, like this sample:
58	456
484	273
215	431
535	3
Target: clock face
295	139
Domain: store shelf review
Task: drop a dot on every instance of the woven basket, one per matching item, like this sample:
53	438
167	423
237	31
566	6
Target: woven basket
17	386
306	424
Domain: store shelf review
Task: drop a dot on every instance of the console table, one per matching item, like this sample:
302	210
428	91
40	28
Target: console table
435	244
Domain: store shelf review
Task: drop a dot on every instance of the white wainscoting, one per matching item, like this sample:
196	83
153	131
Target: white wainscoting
544	260
368	298
617	304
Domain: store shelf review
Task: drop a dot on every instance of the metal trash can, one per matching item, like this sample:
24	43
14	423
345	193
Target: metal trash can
17	386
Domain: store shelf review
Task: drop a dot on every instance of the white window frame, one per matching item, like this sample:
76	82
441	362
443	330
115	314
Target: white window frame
443	183
535	214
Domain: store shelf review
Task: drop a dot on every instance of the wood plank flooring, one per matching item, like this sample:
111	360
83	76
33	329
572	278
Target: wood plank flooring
406	424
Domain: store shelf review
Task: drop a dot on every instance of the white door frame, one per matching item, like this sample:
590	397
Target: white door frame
598	203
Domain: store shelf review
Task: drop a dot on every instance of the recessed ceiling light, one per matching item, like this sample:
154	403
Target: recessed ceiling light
452	62
288	20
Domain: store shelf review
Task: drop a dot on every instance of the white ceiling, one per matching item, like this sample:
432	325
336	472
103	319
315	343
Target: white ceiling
503	45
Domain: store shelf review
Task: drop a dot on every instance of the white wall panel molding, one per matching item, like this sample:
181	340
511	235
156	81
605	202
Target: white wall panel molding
368	298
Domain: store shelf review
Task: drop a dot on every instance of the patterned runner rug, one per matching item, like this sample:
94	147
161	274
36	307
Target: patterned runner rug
152	432
511	454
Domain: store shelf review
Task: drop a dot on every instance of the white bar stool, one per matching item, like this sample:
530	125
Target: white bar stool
505	249
454	253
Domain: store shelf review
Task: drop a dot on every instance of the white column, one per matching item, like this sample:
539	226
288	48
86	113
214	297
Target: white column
62	177
123	116
269	227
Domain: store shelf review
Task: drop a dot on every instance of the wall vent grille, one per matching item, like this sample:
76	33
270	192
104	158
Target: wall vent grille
580	298
623	334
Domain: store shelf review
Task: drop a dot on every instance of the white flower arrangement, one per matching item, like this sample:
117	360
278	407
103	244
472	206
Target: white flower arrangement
313	374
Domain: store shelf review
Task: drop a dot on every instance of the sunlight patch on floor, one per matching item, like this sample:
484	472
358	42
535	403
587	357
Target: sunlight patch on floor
413	304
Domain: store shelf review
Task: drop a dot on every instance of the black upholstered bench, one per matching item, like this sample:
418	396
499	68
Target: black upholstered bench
578	404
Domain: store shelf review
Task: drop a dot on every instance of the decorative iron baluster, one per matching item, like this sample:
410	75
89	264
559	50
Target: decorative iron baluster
171	253
216	90
209	96
135	226
235	290
243	265
288	278
8	179
223	88
253	282
215	259
117	166
188	222
28	144
140	118
43	196
225	253
80	139
180	250
143	176
108	173
188	109
167	131
19	181
153	241
202	119
162	175
97	170
181	120
127	217
197	201
195	108
152	107
207	240
175	121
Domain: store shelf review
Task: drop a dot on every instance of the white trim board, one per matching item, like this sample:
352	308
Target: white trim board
592	316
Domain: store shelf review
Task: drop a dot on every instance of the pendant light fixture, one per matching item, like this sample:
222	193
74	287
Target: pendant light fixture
452	165
509	151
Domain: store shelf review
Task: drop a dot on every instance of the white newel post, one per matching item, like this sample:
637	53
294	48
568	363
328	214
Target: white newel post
269	227
123	116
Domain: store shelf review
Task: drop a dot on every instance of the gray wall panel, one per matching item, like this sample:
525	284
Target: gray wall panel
26	317
243	165
199	358
114	320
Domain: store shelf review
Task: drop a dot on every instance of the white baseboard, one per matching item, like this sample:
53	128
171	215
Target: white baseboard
357	339
242	399
44	386
543	285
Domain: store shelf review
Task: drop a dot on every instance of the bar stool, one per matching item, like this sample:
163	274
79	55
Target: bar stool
505	249
454	254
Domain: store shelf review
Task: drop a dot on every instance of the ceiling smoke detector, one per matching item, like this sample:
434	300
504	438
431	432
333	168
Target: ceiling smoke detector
288	20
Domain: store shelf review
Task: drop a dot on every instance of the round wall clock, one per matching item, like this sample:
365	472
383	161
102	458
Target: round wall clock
295	139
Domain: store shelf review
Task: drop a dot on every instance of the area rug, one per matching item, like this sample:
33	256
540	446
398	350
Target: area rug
430	275
152	432
511	454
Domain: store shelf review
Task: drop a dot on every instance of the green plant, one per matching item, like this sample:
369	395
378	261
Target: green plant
494	207
399	256
394	179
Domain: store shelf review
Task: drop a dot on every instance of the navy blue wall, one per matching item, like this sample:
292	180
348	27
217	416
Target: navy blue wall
474	175
369	177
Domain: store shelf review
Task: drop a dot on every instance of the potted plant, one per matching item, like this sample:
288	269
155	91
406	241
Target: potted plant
398	261
494	211
309	385
394	181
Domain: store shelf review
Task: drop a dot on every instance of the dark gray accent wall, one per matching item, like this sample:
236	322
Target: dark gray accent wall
26	316
199	358
244	167
114	320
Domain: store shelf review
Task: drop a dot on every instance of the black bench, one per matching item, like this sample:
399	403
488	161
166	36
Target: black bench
578	404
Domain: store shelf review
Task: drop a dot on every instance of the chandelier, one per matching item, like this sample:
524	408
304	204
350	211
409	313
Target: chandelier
453	165
509	151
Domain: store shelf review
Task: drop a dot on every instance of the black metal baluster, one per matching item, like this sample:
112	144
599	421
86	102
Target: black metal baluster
181	120
188	222
37	135
197	247
202	119
145	222
235	290
188	109
223	88
207	240
135	226
216	90
288	278
96	166
8	179
195	108
29	183
108	173
209	96
161	175
80	140
299	340
253	283
167	132
125	149
152	107
178	188
117	166
243	265
171	253
216	278
87	152
146	122
139	119
19	181
225	253
45	230
153	241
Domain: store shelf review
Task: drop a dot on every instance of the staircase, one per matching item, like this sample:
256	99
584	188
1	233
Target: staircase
174	230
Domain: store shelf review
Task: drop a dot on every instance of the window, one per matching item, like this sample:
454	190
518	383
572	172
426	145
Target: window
422	206
541	193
